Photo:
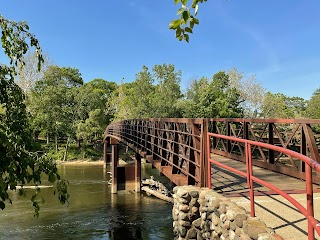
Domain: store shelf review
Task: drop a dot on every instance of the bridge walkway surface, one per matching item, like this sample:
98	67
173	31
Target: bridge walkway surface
270	207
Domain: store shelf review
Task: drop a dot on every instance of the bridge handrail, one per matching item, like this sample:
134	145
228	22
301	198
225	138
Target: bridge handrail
310	164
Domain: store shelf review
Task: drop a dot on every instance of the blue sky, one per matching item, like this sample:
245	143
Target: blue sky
278	41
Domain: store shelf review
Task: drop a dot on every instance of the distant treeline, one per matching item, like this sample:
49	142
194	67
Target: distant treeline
62	107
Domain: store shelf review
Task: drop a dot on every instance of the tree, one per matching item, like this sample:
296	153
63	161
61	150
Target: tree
29	74
183	26
167	91
53	102
214	98
91	102
281	106
250	90
20	164
313	106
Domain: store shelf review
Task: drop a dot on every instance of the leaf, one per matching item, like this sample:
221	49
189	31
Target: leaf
187	29
185	16
175	23
196	20
184	2
196	10
181	10
176	1
191	23
186	37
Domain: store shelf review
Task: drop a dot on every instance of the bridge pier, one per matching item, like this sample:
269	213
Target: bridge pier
114	160
106	155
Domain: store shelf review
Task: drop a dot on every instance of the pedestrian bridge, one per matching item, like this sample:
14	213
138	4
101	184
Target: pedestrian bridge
186	151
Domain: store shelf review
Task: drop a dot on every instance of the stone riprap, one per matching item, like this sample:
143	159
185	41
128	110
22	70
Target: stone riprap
200	213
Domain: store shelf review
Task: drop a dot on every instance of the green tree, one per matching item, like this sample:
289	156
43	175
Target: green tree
281	106
91	102
313	107
167	91
212	98
53	102
20	164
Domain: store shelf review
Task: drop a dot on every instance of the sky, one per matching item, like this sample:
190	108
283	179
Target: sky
278	41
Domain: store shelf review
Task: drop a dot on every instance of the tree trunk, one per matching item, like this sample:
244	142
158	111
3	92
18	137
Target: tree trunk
56	141
48	139
79	143
66	152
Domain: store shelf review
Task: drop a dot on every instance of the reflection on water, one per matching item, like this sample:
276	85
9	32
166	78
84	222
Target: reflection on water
93	213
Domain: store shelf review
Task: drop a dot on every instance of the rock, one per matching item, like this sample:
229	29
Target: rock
197	223
182	231
182	200
206	235
184	223
184	208
233	225
225	232
216	203
244	237
192	233
218	230
223	208
239	218
203	216
265	236
194	194
239	231
183	193
215	219
232	235
223	217
253	228
226	224
194	203
194	210
214	235
183	216
231	214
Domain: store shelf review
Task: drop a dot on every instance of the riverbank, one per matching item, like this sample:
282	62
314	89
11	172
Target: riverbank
88	162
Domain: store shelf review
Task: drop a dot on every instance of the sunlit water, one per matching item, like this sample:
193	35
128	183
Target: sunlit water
93	213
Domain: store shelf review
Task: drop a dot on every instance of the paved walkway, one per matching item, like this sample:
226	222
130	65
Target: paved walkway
273	209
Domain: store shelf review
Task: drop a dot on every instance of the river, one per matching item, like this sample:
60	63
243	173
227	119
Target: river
93	212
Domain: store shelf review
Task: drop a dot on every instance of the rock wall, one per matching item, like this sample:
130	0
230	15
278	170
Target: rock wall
200	213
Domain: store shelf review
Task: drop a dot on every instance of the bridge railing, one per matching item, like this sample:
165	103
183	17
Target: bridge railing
248	151
299	135
173	145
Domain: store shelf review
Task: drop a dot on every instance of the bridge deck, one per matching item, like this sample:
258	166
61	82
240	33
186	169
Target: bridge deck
277	212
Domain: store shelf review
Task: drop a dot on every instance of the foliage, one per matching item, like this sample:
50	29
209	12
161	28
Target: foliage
167	91
20	164
29	74
53	104
281	106
212	98
250	90
313	107
183	26
92	116
150	95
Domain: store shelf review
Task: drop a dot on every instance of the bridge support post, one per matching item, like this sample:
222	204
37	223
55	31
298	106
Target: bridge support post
106	155
137	173
114	161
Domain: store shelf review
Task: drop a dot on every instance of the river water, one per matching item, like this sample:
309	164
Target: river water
93	212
